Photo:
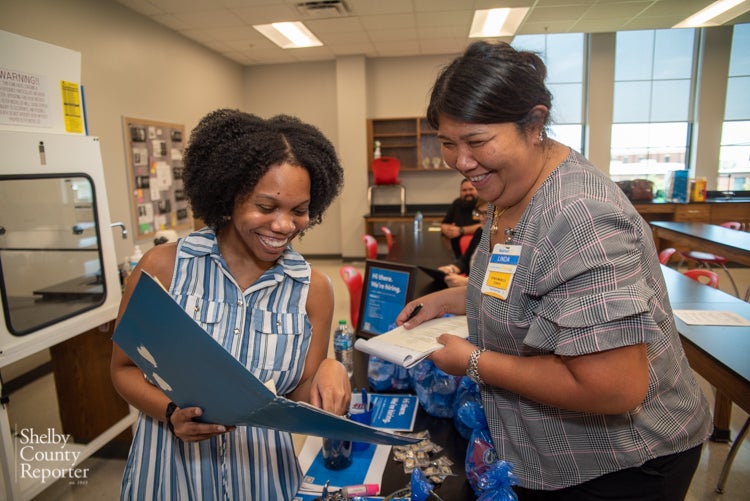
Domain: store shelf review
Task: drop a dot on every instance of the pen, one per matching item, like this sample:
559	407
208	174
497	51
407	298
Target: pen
414	312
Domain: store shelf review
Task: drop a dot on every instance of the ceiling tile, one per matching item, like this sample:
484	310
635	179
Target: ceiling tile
394	27
215	18
388	22
266	14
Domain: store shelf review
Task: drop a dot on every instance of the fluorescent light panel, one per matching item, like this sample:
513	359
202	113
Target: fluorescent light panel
496	22
706	16
289	35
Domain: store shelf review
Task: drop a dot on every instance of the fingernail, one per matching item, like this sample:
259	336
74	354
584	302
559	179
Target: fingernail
221	428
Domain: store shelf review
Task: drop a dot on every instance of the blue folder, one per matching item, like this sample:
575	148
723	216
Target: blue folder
194	370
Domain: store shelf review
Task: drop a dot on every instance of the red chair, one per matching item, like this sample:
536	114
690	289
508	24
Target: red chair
353	280
464	242
385	174
666	255
371	246
706	277
388	236
706	259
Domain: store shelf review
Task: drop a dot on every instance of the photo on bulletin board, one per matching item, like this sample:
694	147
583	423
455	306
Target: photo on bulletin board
154	154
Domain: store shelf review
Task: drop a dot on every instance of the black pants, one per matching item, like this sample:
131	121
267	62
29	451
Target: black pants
666	478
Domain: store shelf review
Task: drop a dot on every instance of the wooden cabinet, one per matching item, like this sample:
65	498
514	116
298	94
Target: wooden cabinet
88	402
731	211
410	139
698	213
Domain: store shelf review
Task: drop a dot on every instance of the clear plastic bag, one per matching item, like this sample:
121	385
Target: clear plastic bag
435	389
466	394
490	477
386	376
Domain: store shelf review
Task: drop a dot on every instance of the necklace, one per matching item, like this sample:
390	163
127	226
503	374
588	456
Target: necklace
496	215
509	232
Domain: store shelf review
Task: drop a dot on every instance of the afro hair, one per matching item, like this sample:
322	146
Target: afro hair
230	150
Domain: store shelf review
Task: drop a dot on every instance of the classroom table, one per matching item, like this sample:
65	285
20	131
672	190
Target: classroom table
732	244
427	247
717	353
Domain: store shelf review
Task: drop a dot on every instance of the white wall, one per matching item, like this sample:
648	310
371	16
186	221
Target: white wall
134	67
400	87
130	66
308	91
338	97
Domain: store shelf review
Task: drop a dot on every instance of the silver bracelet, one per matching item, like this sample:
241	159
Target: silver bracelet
473	370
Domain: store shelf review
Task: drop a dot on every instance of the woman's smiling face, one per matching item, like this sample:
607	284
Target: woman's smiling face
274	212
495	157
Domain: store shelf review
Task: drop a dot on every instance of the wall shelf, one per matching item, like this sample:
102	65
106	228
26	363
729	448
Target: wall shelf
409	139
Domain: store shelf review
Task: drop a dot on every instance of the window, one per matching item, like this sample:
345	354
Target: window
734	153
652	102
564	56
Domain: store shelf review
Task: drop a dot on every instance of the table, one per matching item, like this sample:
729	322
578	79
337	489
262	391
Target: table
718	354
427	247
732	244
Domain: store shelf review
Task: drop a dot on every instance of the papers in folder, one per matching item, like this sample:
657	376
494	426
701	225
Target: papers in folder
409	347
194	370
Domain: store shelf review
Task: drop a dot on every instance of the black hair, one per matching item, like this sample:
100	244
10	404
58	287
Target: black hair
491	83
230	150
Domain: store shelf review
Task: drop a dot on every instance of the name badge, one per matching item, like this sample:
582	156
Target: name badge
500	270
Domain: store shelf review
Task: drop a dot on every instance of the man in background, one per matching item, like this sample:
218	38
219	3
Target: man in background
459	220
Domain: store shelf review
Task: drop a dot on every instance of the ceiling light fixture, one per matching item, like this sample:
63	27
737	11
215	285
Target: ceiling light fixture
496	22
289	35
712	15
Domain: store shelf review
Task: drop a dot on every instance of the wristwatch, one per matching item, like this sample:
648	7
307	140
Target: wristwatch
473	370
461	230
171	407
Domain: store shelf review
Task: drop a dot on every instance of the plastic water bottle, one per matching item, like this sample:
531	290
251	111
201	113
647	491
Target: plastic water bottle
137	255
418	220
343	346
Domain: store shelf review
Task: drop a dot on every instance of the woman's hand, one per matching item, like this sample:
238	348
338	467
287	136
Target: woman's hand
188	430
456	280
449	268
437	304
331	389
453	358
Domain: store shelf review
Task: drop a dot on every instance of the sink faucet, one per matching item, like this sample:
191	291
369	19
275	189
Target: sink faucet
122	227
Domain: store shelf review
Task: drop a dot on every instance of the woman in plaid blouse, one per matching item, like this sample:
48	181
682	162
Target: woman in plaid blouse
584	382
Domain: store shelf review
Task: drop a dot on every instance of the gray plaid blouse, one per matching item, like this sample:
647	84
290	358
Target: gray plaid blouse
588	280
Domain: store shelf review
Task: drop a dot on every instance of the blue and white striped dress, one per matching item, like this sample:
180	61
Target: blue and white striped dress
264	327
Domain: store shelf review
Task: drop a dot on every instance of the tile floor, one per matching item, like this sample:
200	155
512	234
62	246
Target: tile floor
31	406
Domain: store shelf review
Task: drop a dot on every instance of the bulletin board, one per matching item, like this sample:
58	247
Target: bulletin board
154	153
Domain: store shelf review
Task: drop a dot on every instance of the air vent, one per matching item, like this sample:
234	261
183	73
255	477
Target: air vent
323	9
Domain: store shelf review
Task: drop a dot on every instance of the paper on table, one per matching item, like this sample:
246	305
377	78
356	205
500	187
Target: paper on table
711	317
409	347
